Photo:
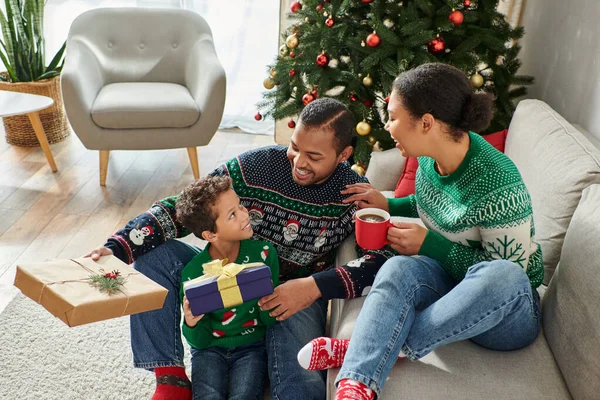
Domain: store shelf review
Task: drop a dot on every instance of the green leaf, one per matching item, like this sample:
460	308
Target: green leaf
57	57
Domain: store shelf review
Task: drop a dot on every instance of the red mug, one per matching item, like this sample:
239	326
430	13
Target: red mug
371	228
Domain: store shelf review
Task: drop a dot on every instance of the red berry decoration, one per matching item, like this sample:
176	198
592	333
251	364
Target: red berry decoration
368	103
373	40
353	96
322	60
319	7
292	72
329	22
292	124
456	17
296	6
437	46
292	54
467	3
387	99
258	117
307	98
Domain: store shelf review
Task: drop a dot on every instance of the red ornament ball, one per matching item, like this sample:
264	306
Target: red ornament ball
353	96
329	22
258	117
322	60
373	40
437	46
291	124
368	103
467	3
292	72
319	7
307	98
367	1
315	93
387	99
327	1
292	54
456	17
296	6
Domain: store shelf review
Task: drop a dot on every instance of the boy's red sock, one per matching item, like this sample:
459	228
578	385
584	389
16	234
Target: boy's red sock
172	383
324	353
353	390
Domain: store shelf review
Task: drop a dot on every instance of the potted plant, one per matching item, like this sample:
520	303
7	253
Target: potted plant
23	54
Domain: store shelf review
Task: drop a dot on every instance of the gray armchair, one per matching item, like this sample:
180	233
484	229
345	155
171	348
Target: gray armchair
140	79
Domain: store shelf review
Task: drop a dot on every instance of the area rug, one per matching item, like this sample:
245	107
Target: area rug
42	358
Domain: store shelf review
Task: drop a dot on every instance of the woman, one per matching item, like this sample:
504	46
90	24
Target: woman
472	273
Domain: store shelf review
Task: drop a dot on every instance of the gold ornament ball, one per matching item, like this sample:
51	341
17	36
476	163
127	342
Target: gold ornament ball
358	169
367	81
363	128
476	80
292	41
371	140
272	72
283	50
269	83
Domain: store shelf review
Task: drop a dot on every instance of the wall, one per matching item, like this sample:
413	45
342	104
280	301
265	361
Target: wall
561	49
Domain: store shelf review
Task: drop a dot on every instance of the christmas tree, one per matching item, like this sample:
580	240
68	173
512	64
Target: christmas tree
352	50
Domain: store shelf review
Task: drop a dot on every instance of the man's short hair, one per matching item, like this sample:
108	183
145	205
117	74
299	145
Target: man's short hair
330	114
195	205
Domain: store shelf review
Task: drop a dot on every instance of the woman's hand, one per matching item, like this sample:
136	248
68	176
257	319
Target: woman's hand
190	319
406	238
365	195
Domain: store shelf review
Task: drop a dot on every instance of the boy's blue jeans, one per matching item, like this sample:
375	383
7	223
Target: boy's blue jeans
156	335
234	374
415	306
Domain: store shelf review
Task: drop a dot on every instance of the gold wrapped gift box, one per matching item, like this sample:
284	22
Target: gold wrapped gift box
63	288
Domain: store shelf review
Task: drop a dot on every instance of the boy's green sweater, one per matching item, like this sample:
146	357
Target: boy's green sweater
235	326
480	212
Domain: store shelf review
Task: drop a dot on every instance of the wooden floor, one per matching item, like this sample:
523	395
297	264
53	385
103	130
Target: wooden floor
45	215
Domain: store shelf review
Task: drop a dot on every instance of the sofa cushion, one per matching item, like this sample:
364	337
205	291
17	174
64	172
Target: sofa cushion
462	370
571	306
556	162
384	168
142	105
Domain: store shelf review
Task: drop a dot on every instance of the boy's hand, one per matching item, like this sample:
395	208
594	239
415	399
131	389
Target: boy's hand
190	319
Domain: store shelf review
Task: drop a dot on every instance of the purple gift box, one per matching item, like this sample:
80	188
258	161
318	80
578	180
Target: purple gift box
205	297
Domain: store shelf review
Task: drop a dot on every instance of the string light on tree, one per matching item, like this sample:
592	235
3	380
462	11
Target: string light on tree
388	23
345	59
456	17
333	63
363	128
373	40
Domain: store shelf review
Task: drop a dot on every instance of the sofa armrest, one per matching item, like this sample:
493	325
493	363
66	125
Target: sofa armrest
385	168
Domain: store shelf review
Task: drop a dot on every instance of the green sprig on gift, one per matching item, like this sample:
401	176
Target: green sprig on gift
109	282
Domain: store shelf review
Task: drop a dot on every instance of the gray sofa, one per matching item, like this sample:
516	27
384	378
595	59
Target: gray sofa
561	169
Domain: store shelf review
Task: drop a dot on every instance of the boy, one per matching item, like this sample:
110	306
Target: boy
229	358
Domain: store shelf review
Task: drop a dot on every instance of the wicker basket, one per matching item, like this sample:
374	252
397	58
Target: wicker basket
54	120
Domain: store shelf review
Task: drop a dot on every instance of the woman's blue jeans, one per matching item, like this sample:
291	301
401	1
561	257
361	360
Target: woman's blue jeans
415	306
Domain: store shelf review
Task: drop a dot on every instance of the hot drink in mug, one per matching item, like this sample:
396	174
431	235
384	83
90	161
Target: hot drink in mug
371	228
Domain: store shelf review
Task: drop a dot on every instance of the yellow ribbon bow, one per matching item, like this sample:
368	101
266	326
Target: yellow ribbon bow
226	279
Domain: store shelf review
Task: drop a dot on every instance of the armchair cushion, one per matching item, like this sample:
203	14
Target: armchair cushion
142	105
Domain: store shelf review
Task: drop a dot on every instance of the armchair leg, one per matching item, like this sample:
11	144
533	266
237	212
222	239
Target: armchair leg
193	154
103	166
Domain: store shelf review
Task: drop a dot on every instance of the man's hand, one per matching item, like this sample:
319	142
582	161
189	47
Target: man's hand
365	195
290	297
99	252
406	238
190	319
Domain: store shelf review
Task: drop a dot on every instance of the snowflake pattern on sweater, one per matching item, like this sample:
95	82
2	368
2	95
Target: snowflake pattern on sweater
305	223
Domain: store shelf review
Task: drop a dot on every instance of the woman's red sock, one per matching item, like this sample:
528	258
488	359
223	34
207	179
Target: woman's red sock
353	390
172	383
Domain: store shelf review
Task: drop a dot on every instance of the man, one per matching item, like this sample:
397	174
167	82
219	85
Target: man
293	196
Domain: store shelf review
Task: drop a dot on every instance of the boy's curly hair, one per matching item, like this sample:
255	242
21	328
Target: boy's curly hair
195	205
